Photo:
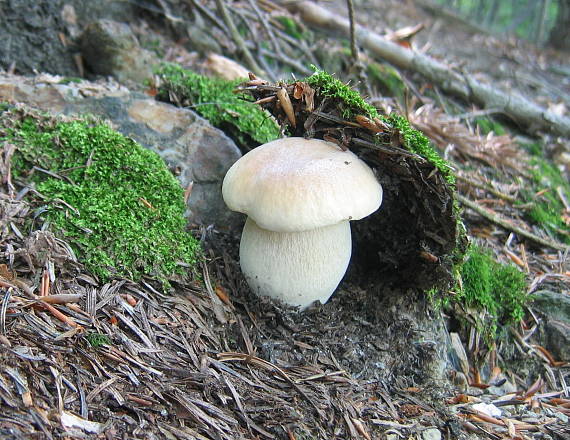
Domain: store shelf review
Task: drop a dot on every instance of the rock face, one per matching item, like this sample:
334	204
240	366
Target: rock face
29	33
39	36
111	48
198	153
555	310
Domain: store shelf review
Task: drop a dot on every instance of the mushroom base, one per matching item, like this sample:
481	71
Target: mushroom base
297	268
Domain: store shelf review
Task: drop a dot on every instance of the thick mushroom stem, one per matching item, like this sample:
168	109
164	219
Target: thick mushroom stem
297	268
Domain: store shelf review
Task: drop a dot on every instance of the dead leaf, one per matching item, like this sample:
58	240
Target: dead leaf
223	295
286	105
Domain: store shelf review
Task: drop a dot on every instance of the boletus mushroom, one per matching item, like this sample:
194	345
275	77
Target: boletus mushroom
299	196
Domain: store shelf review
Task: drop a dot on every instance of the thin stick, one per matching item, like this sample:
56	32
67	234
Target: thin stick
250	61
487	188
358	66
55	312
510	226
353	48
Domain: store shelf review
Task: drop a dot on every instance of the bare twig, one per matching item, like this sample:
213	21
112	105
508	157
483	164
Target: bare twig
353	48
487	188
493	217
250	61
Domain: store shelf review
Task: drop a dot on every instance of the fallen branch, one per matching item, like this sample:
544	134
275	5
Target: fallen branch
530	116
493	217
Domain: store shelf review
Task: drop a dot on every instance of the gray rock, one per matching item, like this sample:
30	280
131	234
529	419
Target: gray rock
555	310
553	304
558	339
506	388
29	32
110	48
431	434
198	153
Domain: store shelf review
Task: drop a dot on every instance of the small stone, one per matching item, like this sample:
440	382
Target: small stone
506	388
225	68
487	408
431	434
475	392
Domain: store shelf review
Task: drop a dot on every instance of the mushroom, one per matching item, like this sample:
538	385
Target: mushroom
299	196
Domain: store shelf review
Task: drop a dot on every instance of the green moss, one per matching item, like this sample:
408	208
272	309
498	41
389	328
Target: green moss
547	209
487	125
418	143
350	101
386	79
534	148
69	80
115	202
352	104
495	291
291	27
98	339
216	101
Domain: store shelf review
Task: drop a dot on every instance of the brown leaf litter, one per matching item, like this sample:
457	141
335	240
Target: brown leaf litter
122	359
85	359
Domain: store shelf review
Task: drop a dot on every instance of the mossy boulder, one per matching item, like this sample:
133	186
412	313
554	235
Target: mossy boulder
215	100
115	202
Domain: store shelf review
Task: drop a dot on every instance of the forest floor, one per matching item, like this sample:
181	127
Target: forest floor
511	63
200	364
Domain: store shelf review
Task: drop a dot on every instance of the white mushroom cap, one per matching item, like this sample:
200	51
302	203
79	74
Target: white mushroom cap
295	184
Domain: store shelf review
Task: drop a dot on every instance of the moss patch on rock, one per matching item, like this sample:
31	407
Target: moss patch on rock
112	200
492	293
215	100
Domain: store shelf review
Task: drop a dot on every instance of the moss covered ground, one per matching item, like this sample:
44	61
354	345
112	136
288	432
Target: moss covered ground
493	294
115	202
496	291
544	198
